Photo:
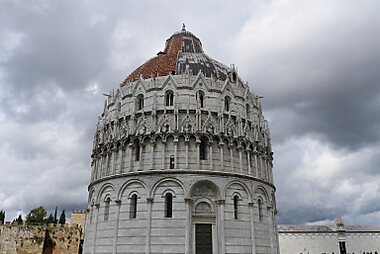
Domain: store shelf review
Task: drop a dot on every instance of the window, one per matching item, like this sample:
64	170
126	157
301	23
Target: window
203	149
260	209
168	205
140	102
236	200
201	98
227	100
137	155
171	162
248	110
107	209
169	98
133	207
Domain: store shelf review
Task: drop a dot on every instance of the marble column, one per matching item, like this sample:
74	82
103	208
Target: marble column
95	228
175	141
187	152
221	145
188	228
232	157
116	233
152	143
149	225
249	162
163	154
252	221
240	160
221	224
270	221
130	157
210	156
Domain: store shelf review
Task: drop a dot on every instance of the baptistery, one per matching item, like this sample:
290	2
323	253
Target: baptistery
182	161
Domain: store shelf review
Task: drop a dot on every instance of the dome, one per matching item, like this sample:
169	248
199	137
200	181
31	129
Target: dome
181	161
183	53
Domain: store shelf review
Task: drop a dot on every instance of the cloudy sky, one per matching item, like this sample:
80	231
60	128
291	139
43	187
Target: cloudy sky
317	63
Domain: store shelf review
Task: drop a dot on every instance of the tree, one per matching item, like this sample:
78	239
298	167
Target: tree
50	219
36	216
62	218
2	216
19	220
55	215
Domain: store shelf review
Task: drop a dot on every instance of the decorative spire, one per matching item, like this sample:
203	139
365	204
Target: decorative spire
183	27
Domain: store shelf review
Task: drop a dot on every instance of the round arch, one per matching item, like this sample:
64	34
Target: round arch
125	185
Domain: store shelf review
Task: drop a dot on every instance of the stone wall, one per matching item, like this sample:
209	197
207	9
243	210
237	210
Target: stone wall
30	239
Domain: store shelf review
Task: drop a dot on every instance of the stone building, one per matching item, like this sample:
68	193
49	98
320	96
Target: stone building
313	239
182	161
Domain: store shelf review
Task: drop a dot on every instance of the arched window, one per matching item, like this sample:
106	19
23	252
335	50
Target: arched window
169	98
227	101
107	209
140	102
247	109
168	205
171	162
137	155
203	149
260	209
236	201
201	99
133	207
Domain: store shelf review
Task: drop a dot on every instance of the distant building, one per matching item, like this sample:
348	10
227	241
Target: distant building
311	239
78	218
182	161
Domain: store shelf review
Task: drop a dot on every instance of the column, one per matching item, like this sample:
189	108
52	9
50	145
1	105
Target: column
210	157
221	156
188	228
163	154
152	143
101	172
197	144
249	162
252	221
95	228
149	225
232	157
187	152
93	168
107	164
130	156
221	237
114	154
270	221
116	233
175	141
121	155
141	165
256	169
241	160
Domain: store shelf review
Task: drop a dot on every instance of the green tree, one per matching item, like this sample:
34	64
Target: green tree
62	218
55	215
2	216
19	220
50	219
36	216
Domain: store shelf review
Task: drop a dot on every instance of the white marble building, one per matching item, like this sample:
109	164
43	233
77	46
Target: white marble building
312	239
182	161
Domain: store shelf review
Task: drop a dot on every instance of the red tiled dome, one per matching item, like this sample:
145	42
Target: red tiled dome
183	53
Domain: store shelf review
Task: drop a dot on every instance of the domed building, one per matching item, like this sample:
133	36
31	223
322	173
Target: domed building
182	161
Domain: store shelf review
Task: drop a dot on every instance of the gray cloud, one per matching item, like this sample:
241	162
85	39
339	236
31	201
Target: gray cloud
314	62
